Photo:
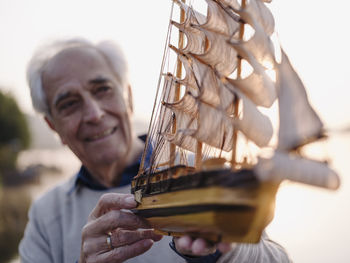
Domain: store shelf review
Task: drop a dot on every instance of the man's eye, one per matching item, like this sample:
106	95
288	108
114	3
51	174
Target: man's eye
66	105
102	89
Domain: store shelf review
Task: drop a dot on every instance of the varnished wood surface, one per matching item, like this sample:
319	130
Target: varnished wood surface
240	225
208	195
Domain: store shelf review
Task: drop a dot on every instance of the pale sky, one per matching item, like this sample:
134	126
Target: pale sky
311	223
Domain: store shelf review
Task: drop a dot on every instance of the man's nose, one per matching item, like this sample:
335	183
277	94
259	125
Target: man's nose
92	111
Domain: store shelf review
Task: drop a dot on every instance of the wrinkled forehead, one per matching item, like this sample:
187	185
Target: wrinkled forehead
74	62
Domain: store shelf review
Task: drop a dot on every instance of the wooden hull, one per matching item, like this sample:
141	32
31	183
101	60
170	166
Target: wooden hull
236	213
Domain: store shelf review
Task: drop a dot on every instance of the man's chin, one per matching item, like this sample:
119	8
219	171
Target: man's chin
109	158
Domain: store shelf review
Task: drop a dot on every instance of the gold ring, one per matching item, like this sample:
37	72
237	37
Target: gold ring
109	240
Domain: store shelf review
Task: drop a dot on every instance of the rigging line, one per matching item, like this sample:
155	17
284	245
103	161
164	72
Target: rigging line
193	14
160	137
184	157
160	110
159	127
158	148
156	154
158	85
207	152
164	110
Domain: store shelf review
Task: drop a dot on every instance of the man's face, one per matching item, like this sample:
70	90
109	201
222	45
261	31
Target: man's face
87	106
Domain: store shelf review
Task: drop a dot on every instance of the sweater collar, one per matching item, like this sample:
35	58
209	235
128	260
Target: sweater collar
85	179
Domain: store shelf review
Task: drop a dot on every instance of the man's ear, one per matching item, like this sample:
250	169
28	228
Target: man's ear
130	100
50	124
52	127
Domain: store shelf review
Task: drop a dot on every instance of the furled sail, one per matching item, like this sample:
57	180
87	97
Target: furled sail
202	82
218	20
215	125
209	46
258	86
257	9
259	44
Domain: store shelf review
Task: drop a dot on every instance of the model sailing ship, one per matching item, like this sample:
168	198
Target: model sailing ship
198	175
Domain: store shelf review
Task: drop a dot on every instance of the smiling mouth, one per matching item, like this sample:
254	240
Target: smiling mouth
101	135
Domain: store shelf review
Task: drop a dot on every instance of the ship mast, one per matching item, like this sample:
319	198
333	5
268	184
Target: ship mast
236	106
177	86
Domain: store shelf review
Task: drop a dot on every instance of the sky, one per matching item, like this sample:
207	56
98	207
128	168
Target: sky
311	223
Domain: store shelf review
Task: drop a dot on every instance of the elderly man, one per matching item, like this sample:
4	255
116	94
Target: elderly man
84	94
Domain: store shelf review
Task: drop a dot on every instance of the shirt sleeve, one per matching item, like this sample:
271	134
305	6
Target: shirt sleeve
34	247
266	251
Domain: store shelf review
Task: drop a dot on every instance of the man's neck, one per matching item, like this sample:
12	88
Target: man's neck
110	175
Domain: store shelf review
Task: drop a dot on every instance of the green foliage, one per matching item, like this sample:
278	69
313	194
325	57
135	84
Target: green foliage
14	132
14	128
14	202
14	205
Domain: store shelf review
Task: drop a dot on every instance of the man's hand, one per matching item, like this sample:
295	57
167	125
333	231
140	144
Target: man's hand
113	233
199	247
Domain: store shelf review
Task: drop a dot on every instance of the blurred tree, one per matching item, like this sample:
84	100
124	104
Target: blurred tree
14	204
14	134
14	201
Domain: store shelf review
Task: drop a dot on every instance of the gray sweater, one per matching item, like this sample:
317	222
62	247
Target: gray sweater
53	233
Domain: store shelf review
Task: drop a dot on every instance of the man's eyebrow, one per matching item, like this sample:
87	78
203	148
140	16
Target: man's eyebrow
61	97
99	80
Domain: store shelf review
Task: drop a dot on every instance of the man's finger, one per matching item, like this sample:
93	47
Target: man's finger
226	247
201	248
198	247
112	201
119	238
121	254
112	220
183	244
122	237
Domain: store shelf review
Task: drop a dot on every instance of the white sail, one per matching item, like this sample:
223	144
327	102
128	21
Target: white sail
259	45
215	103
216	125
192	16
219	21
196	39
231	3
299	124
261	15
285	166
258	86
204	83
160	148
256	126
258	11
201	121
186	126
218	53
216	20
208	46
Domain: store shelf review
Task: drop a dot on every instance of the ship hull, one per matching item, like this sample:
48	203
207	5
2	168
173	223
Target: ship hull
218	205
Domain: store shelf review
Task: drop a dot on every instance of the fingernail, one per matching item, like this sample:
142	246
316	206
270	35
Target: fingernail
147	243
184	242
130	200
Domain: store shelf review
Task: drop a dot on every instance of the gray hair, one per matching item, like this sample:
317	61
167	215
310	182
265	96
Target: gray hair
109	50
